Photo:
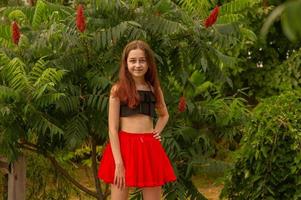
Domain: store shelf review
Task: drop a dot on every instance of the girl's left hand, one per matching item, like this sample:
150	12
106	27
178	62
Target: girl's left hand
157	135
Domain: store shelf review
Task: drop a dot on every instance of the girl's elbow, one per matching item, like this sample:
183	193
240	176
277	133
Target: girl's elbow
166	116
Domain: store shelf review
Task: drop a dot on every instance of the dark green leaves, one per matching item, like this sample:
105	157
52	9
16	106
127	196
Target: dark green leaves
269	160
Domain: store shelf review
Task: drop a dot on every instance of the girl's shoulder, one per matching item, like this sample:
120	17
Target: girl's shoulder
115	86
114	89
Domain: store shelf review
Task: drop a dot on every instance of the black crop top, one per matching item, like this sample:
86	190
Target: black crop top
146	106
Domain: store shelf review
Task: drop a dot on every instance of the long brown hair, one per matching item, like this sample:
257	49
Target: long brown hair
126	89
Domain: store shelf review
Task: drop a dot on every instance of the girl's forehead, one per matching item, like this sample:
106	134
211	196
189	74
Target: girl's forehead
136	53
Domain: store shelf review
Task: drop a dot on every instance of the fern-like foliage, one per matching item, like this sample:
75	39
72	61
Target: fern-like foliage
45	79
42	124
108	5
160	25
50	75
5	43
27	95
105	37
6	94
77	130
45	10
23	10
68	104
231	11
41	13
5	32
15	74
196	7
236	6
229	18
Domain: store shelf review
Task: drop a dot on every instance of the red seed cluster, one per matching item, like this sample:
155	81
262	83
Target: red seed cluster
212	17
15	32
182	104
80	18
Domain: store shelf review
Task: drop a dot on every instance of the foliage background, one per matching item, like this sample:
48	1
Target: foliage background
55	83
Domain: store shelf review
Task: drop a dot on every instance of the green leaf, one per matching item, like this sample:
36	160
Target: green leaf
197	78
229	18
15	74
5	32
287	27
271	19
236	6
18	15
203	87
41	14
248	34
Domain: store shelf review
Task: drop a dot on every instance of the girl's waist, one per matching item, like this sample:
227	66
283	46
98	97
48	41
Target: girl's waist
135	134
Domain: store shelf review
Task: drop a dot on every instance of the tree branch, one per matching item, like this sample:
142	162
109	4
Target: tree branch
107	192
70	178
34	148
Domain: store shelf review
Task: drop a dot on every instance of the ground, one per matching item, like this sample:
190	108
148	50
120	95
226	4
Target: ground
211	192
209	187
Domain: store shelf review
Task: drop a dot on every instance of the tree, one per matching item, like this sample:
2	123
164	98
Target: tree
268	163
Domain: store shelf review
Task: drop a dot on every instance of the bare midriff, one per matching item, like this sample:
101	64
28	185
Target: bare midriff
137	123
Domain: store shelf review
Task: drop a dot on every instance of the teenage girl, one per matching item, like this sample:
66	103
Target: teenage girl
134	157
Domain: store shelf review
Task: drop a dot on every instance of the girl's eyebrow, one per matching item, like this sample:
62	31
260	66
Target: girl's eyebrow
136	58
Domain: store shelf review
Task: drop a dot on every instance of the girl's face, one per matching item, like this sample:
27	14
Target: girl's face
136	63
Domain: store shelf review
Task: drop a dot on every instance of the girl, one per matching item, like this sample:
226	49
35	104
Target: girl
135	157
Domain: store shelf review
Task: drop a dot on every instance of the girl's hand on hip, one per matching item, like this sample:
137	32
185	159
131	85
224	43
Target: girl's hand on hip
157	135
119	177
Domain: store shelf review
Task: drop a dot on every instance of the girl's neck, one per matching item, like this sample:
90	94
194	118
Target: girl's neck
139	81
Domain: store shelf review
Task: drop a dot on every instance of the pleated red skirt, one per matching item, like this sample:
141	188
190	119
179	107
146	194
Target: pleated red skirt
145	161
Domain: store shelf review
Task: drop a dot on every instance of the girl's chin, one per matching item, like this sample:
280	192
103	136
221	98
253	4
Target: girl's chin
138	75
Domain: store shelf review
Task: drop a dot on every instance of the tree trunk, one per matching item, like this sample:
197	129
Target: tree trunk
17	180
94	168
4	168
5	186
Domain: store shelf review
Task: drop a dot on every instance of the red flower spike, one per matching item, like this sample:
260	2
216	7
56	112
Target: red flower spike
212	17
15	32
80	18
182	104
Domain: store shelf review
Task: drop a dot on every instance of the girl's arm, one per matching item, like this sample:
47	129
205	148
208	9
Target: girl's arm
162	116
114	109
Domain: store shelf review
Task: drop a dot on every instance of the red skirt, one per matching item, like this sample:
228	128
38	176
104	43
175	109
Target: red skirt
145	161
